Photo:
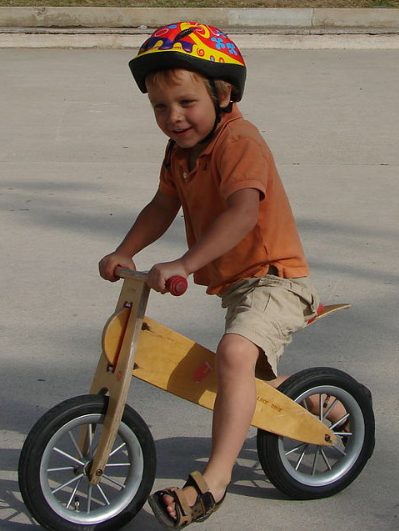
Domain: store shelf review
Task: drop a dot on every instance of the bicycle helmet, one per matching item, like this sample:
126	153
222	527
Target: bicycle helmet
197	47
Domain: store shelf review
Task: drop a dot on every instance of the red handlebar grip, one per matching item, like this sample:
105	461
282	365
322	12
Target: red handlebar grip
176	285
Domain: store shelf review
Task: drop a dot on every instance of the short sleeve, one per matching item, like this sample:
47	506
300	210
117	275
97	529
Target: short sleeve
243	163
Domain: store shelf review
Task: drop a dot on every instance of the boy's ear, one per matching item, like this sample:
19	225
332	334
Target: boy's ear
224	100
225	97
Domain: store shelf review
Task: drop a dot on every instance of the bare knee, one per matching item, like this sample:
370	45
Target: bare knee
235	353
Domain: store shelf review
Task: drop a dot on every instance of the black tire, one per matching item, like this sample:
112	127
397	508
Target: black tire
51	458
304	471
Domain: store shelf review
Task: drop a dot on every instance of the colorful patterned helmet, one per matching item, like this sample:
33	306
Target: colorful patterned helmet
197	47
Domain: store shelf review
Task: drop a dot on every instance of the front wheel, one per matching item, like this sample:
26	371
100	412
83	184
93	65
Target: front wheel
53	469
305	471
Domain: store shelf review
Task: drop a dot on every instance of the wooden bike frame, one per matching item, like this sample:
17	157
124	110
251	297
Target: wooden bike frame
135	345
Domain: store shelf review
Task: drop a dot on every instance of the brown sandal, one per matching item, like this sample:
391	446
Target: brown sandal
202	509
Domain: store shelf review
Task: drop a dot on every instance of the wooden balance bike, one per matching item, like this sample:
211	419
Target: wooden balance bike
89	463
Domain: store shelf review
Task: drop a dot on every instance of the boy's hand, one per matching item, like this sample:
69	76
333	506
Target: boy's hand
110	262
160	273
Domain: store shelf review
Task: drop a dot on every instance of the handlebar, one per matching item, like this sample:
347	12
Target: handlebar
176	285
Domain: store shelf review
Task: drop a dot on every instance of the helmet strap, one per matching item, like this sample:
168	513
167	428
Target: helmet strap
219	110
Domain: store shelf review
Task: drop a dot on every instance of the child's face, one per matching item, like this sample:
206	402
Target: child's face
183	108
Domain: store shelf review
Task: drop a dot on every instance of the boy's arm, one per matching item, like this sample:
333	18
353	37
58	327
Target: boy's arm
226	232
150	224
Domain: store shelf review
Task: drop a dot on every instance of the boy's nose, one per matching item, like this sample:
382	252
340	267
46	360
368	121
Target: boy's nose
174	115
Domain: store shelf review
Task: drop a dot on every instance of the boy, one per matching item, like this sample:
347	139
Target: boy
242	237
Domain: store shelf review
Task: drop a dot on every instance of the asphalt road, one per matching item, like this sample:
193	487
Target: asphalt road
79	157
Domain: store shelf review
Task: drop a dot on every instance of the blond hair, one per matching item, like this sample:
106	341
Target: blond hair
162	78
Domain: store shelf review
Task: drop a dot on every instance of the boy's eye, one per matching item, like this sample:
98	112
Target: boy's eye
186	103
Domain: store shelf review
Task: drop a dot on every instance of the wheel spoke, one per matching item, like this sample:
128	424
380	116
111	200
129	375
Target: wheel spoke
103	494
71	436
340	421
67	483
339	450
328	411
68	456
304	404
73	494
295	449
117	449
89	497
323	454
321	407
114	481
343	433
298	464
316	455
92	429
61	469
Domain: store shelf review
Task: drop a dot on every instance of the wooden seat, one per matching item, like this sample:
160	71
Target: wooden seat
323	311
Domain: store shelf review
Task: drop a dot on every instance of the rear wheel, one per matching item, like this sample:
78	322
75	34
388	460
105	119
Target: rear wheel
305	471
53	471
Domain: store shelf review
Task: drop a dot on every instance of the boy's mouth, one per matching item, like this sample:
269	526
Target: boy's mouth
179	132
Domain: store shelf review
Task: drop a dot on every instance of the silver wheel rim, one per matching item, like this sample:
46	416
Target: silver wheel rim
63	473
318	466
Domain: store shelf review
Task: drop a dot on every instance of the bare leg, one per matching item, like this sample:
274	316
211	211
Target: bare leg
234	408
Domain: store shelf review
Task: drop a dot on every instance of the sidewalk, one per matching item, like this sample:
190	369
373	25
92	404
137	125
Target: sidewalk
80	156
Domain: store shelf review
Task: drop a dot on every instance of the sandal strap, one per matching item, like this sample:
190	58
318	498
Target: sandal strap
196	480
182	507
205	502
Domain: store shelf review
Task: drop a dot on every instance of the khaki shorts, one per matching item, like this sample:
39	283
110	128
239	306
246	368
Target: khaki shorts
267	311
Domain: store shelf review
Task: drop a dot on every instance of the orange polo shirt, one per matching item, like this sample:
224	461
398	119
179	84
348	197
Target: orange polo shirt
236	158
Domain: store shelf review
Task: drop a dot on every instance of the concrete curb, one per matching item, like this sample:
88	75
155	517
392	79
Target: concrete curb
118	41
225	18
